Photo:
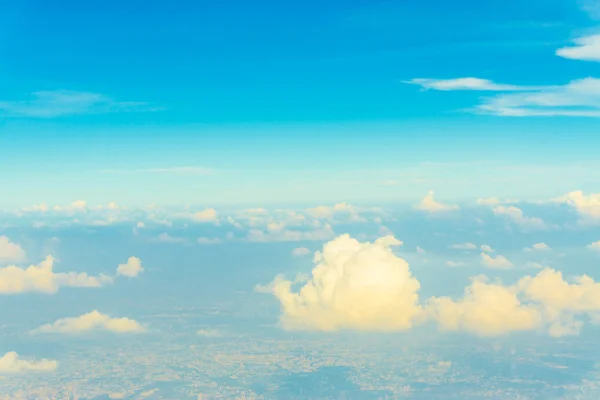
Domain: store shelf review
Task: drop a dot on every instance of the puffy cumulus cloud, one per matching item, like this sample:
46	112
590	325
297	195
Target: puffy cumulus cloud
560	301
544	301
300	251
361	286
516	216
430	205
206	215
92	321
537	247
594	246
41	278
364	286
12	363
498	261
487	248
463	246
131	268
10	252
588	206
586	48
485	310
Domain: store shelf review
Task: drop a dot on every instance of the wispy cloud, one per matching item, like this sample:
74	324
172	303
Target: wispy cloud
591	7
58	103
586	48
468	84
578	98
167	170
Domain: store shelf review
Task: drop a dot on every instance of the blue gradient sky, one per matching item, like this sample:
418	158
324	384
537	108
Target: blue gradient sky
281	99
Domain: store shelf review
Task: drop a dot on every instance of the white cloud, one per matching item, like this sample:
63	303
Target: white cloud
420	250
206	215
10	252
516	215
428	204
455	263
354	285
166	238
49	104
364	286
208	241
463	246
300	251
537	247
466	84
578	98
276	233
76	206
594	246
498	261
41	278
12	363
209	333
92	321
560	300
130	269
586	48
342	212
587	206
485	310
486	248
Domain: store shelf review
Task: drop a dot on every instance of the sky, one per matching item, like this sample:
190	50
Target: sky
312	200
273	97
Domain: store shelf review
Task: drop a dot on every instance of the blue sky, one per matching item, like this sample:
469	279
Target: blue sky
252	90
